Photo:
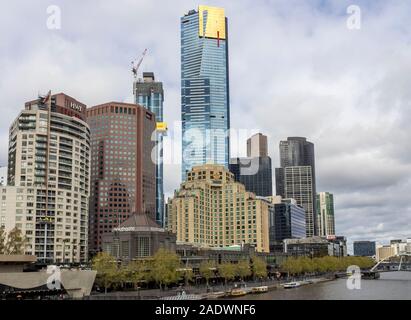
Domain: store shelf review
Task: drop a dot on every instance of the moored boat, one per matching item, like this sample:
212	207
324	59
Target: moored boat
237	292
291	285
260	289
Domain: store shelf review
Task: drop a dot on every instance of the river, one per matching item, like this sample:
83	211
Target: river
390	286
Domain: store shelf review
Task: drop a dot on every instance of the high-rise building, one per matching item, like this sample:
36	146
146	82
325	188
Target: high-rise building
364	248
325	214
212	209
287	220
257	146
205	105
296	177
254	171
3	176
298	185
150	94
122	171
48	175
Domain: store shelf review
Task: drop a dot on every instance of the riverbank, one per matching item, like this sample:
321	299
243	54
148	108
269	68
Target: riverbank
202	293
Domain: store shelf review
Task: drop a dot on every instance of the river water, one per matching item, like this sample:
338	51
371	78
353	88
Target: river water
390	286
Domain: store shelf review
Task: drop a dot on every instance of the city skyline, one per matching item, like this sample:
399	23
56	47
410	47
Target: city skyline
361	137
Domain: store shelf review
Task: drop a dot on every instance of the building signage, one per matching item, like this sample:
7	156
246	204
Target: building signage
75	106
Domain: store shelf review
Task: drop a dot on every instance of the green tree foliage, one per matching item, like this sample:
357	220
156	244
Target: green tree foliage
107	270
207	270
135	272
163	269
16	242
227	271
303	265
188	275
259	267
242	269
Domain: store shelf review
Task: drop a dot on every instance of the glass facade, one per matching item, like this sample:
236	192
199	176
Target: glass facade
325	214
260	182
287	221
204	88
364	248
150	94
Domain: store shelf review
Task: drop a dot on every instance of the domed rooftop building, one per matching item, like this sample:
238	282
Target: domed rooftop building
139	237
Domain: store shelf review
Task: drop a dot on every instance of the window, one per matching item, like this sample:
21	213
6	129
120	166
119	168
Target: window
124	249
143	247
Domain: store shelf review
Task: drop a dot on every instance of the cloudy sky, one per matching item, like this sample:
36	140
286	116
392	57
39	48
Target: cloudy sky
295	70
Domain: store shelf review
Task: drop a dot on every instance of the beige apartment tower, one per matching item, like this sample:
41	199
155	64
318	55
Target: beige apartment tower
48	179
211	209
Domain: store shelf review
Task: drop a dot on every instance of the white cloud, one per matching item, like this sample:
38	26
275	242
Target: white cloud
295	69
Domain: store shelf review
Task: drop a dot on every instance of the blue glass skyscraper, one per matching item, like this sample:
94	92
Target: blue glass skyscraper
205	105
150	94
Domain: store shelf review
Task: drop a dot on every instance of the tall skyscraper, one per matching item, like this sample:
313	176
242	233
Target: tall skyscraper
325	214
296	177
212	209
48	176
150	94
254	171
122	172
205	104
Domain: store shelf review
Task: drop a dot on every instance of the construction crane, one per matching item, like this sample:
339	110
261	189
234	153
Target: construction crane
134	66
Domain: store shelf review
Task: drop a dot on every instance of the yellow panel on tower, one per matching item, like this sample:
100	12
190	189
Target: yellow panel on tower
211	22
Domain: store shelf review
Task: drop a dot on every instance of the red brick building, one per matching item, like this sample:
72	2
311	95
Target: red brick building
122	172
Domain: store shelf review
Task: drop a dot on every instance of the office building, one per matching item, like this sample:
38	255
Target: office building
287	220
296	177
396	247
257	146
298	185
205	104
212	209
364	248
383	252
254	171
325	214
150	94
315	247
48	176
3	176
123	175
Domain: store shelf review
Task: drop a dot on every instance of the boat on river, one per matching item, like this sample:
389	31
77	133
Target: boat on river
261	289
291	285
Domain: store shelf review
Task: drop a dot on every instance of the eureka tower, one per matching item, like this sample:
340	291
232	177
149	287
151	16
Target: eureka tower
205	105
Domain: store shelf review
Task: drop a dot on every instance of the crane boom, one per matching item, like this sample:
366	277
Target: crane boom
134	67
